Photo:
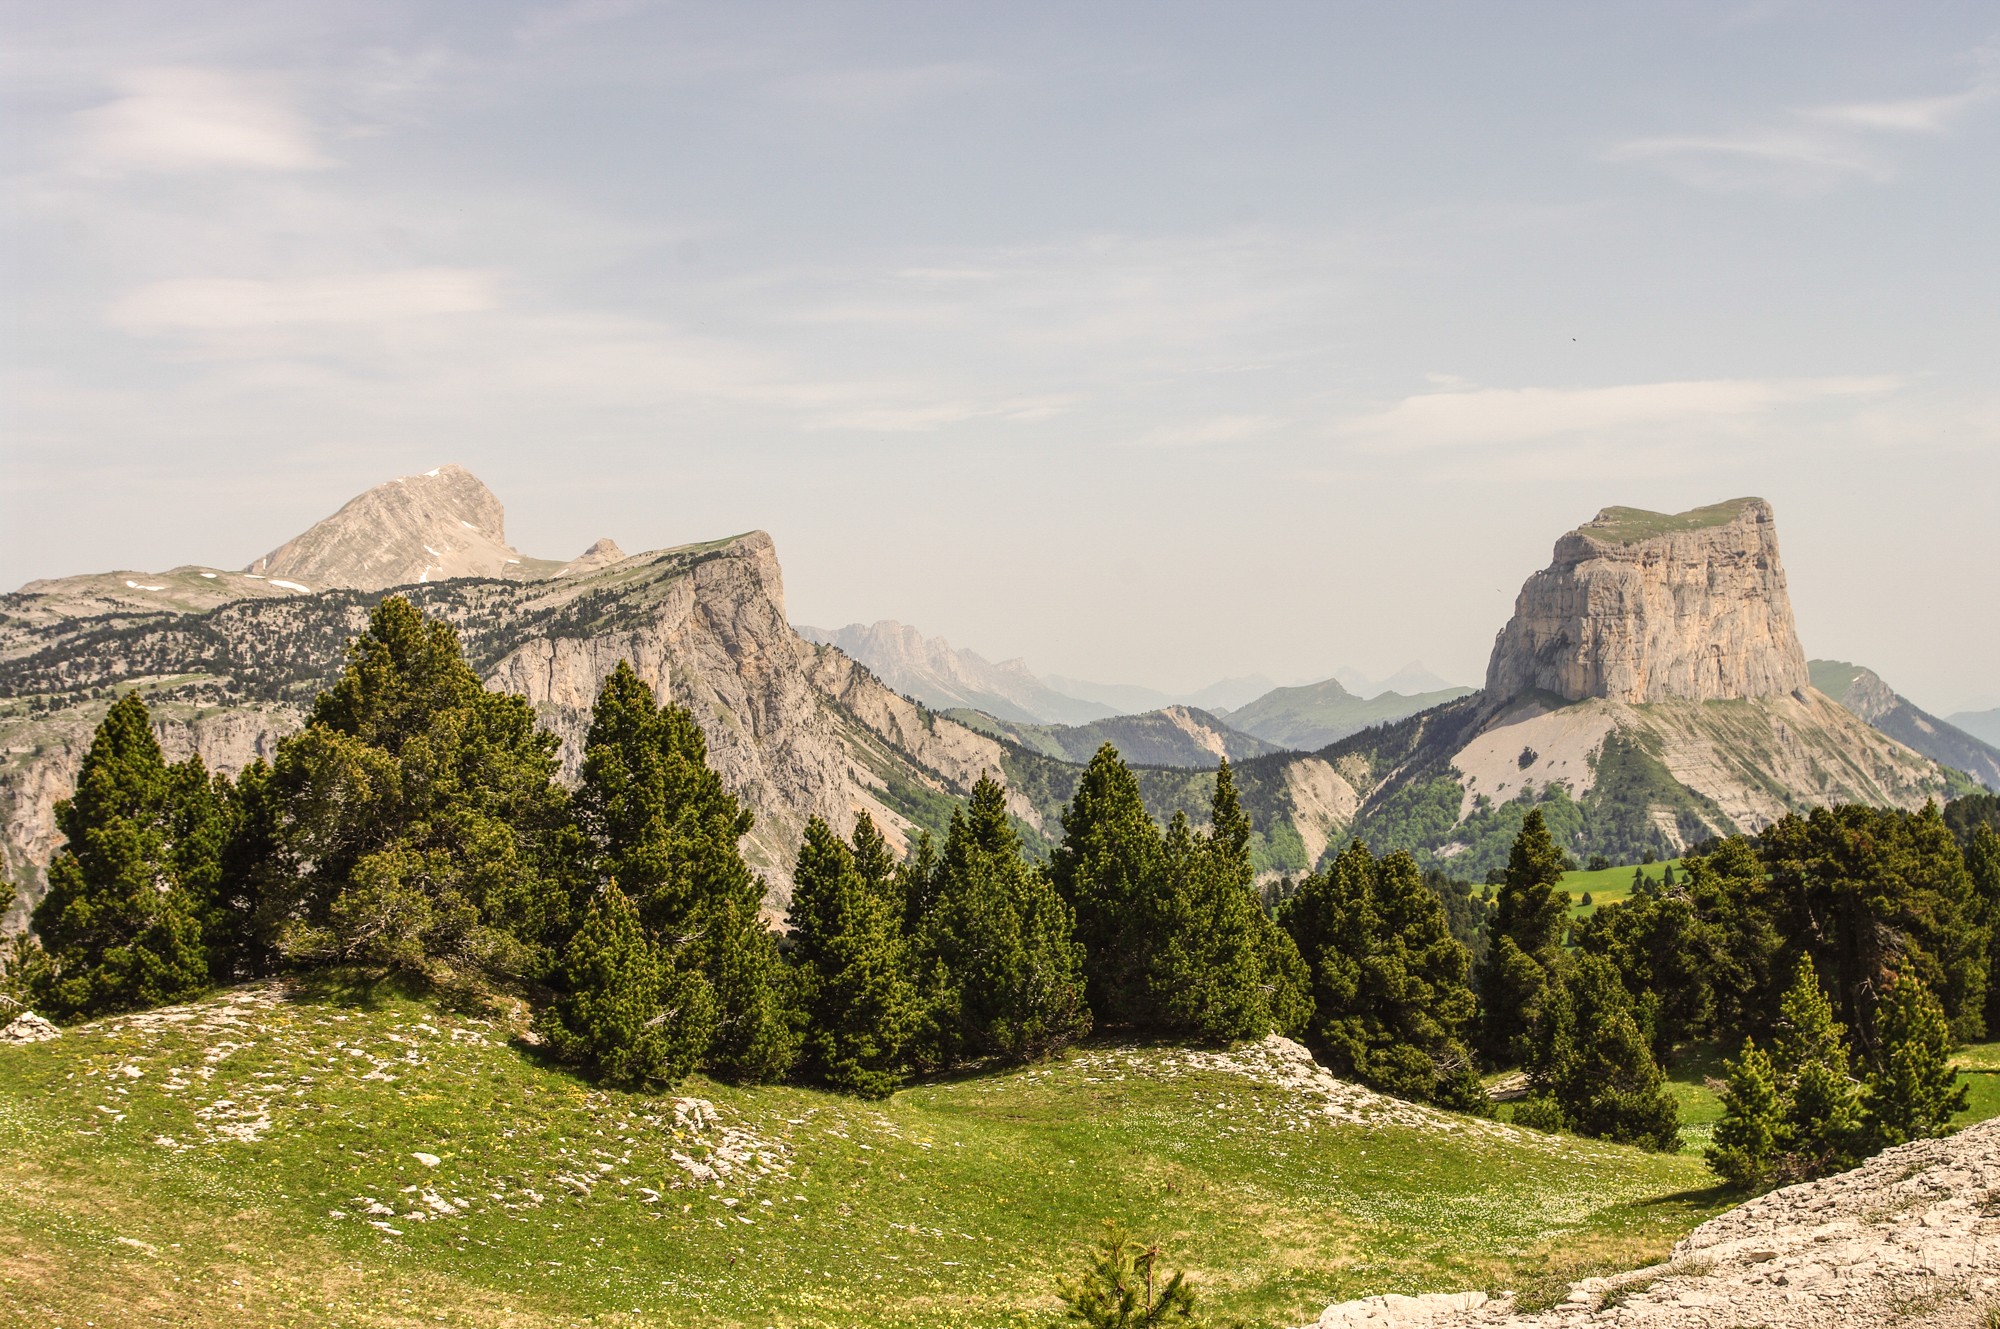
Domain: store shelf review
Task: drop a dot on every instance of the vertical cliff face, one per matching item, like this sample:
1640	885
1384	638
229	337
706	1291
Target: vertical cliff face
1646	606
796	730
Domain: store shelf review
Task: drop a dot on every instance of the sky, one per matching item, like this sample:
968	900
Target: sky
1152	342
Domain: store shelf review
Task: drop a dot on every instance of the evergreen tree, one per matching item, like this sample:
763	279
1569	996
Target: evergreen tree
1869	891
1001	971
1531	912
1917	1091
120	926
1665	953
1747	1138
1604	1078
417	815
1735	902
1982	866
1223	970
1822	1110
1111	870
847	953
1390	1000
623	1014
658	820
1207	976
1125	1289
913	879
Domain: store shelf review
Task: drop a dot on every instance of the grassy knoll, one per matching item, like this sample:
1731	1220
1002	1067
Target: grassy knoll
1609	885
255	1160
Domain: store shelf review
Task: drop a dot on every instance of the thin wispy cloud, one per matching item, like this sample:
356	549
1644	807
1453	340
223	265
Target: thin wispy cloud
234	304
1501	416
1810	149
179	120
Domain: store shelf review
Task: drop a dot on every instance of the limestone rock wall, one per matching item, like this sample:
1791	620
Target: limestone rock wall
1644	607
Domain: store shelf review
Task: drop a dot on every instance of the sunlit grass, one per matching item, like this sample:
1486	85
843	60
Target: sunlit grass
263	1154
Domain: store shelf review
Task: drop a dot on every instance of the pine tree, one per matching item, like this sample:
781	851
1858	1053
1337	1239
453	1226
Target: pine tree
658	820
121	924
1605	1080
1822	1109
1868	891
1982	866
1747	1137
1391	1003
1531	912
1126	1289
625	1013
1111	870
1207	975
417	815
847	952
1001	972
1917	1091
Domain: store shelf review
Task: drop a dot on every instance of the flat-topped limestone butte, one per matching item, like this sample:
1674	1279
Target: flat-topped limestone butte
1646	606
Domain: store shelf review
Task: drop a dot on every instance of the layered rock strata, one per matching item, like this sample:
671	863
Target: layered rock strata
795	729
1643	606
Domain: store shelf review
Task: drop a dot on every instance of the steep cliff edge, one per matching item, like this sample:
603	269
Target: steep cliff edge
796	730
1644	606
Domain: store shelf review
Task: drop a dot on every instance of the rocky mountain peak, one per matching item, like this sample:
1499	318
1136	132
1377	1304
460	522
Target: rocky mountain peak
1644	606
600	555
419	528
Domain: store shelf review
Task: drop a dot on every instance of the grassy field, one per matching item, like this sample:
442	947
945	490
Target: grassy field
1608	885
364	1157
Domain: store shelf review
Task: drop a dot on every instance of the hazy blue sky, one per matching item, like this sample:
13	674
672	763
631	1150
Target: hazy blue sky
1154	342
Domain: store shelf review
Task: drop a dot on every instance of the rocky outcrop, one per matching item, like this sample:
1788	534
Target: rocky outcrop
602	554
1645	606
28	1027
796	730
420	528
1910	1237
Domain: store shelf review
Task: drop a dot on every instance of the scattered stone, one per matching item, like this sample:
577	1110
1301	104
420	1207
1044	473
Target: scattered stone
28	1027
428	1160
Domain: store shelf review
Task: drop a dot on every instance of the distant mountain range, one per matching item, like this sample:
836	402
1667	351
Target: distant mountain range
1649	691
1982	725
1310	717
1862	691
947	678
1170	736
943	677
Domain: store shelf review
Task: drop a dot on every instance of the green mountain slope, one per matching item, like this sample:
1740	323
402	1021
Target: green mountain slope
1172	736
1310	717
1863	691
364	1158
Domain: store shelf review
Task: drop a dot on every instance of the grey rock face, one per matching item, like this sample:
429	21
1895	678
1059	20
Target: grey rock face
1644	607
420	528
796	730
